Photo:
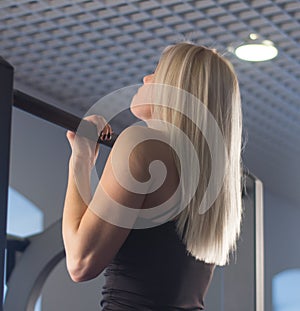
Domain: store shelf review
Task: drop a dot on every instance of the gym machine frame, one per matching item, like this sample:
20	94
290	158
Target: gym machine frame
33	247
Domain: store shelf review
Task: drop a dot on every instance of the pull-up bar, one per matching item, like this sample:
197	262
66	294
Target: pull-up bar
57	116
6	89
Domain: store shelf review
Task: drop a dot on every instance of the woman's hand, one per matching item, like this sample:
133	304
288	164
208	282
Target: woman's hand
84	149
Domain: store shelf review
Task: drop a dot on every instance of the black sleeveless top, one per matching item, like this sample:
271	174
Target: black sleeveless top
152	271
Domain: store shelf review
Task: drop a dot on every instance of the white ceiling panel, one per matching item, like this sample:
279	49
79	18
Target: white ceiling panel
78	51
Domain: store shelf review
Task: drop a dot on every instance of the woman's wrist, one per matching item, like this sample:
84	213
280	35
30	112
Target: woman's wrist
80	173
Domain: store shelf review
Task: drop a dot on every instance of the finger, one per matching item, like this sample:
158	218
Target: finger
97	120
101	124
103	127
110	132
70	135
107	133
103	135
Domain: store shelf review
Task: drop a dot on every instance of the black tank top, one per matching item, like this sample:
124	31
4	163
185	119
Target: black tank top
152	271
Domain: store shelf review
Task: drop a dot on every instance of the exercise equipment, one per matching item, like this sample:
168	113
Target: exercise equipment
57	116
41	254
6	89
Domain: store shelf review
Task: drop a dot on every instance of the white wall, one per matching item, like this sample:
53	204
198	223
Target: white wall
282	232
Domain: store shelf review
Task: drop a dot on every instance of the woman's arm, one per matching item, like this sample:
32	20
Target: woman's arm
90	241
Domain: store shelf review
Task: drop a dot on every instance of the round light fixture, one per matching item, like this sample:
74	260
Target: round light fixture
256	50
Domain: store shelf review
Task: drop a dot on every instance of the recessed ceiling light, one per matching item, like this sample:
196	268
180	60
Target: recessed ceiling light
256	50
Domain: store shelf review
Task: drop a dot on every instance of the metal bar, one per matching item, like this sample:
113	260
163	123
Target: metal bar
13	245
6	96
259	246
58	116
44	252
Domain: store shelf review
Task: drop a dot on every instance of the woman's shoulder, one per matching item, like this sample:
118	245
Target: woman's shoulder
143	139
145	136
138	130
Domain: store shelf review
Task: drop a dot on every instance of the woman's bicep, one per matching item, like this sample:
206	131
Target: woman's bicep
113	210
123	185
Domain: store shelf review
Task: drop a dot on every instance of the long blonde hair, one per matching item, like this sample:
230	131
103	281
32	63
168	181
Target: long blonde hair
210	78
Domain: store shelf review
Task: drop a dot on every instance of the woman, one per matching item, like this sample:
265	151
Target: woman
168	266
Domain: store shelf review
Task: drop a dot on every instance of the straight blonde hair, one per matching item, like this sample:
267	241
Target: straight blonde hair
210	78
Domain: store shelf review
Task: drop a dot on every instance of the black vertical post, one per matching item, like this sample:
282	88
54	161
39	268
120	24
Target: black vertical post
6	99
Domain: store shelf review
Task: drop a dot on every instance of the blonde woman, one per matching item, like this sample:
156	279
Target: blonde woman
167	266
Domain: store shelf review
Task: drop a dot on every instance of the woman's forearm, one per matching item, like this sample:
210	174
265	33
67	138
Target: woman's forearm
78	196
81	229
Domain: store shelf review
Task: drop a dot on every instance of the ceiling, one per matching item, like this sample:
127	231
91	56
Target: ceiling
75	52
